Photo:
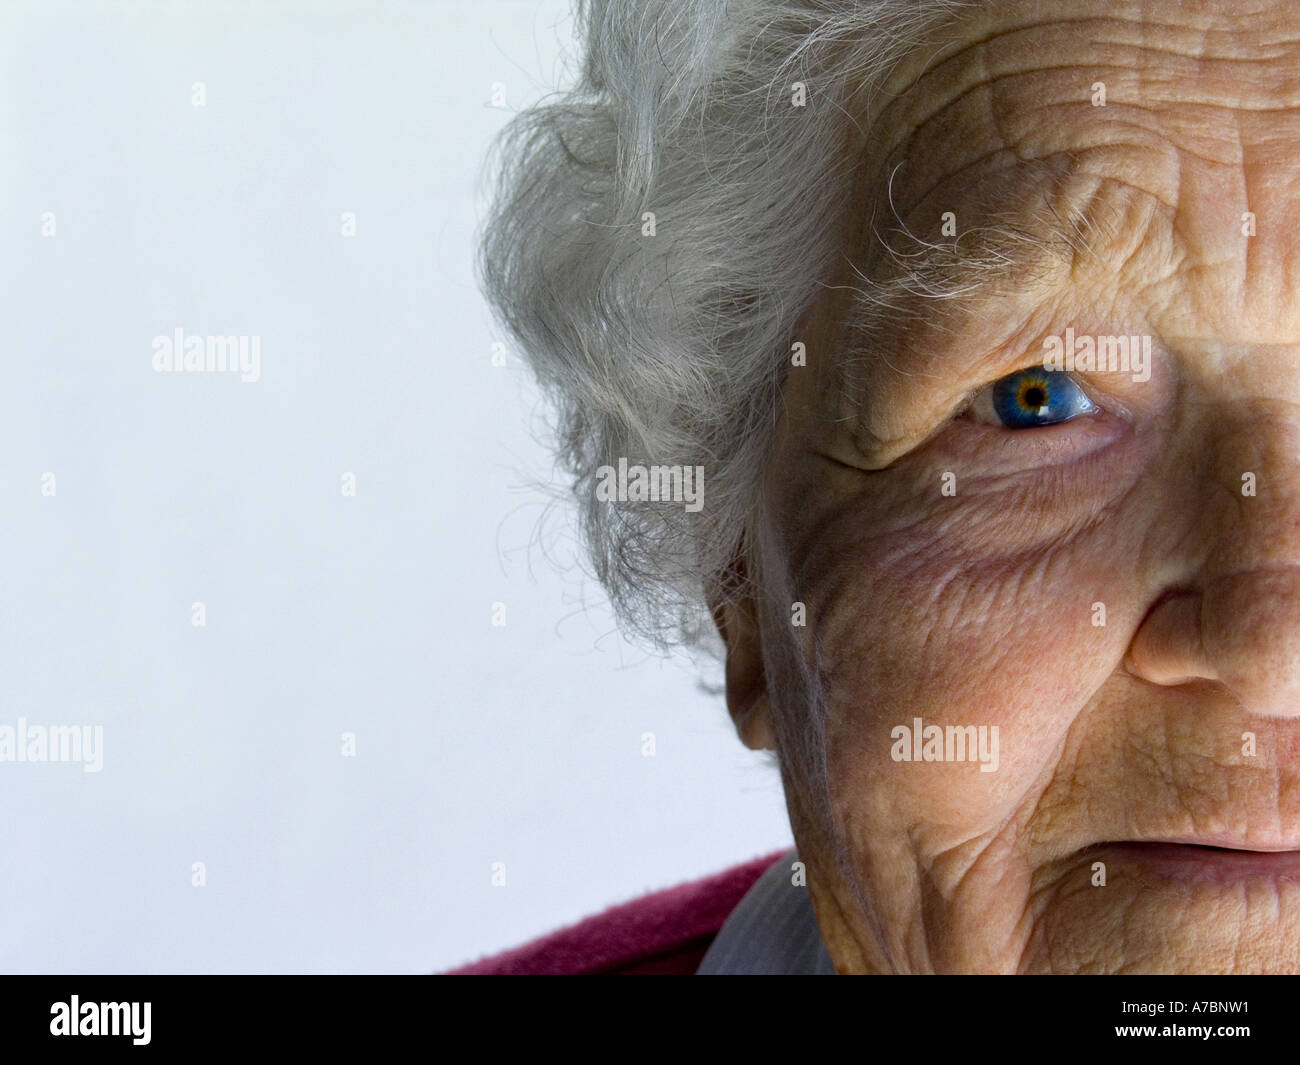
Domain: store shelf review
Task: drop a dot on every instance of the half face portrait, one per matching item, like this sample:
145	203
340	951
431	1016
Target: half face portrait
936	367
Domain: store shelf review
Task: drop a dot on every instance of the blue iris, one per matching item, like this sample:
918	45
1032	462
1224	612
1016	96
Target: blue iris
1029	399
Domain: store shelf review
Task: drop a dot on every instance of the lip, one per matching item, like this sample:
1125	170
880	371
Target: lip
1205	861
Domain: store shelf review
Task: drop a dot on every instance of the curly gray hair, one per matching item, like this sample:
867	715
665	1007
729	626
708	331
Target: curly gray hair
670	349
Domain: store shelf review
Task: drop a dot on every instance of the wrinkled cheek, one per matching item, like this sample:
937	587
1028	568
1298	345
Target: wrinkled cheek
952	679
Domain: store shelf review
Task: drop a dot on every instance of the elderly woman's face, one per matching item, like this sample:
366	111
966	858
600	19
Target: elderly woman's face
1103	568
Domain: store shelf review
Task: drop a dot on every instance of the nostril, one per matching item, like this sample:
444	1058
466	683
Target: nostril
1242	632
1167	648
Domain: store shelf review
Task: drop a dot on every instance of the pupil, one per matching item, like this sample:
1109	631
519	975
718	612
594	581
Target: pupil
1034	397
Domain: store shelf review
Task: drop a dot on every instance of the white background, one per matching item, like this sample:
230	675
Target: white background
325	614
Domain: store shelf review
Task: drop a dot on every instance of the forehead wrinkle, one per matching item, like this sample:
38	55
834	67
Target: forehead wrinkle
1035	234
981	51
960	91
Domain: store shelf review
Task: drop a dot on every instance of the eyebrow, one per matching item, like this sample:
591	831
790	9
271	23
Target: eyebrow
1038	233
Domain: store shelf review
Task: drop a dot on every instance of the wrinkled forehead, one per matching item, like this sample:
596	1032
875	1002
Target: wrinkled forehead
1207	79
1134	138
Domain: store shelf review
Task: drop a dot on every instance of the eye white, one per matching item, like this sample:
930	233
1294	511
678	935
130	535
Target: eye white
981	407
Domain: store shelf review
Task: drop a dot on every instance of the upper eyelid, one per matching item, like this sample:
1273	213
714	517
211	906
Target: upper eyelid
1080	379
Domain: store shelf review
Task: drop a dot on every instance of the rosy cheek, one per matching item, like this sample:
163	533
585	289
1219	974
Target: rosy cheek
961	630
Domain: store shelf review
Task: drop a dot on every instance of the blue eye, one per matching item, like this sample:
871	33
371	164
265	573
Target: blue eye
1030	399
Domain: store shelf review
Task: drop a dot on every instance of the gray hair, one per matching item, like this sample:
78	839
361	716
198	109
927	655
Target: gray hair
671	349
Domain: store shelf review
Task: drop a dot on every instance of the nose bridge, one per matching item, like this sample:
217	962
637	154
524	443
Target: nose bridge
1250	608
1254	522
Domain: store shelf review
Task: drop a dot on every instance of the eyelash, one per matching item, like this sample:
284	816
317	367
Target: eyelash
1032	398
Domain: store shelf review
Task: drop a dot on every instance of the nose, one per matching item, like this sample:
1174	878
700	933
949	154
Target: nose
1236	620
1241	631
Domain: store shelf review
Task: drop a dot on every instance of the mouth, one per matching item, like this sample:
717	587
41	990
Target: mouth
1196	862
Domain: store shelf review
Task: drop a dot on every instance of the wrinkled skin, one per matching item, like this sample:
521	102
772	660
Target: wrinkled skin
978	608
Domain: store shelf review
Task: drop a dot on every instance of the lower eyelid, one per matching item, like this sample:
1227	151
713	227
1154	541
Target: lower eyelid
981	448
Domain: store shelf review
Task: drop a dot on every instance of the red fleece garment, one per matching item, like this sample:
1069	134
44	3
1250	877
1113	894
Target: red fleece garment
664	933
